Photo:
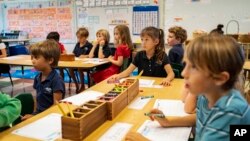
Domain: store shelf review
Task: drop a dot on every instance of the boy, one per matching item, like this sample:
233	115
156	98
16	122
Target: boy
176	36
48	84
10	109
56	36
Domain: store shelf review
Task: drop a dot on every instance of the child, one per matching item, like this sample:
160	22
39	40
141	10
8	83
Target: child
152	60
48	84
82	49
3	53
56	36
101	48
123	48
218	30
213	64
10	109
176	37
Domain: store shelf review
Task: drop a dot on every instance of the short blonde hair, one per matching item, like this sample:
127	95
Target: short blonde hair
105	34
82	32
49	49
215	54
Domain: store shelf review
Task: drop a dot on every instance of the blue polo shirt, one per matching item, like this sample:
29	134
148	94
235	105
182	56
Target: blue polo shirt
150	66
45	90
176	54
214	124
82	50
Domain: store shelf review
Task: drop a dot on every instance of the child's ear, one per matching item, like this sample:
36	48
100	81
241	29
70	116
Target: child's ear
51	60
156	41
222	78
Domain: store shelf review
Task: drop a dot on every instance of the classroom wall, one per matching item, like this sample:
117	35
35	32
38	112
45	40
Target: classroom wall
1	17
206	14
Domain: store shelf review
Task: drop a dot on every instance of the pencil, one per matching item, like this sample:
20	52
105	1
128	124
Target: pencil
70	110
157	115
138	77
60	108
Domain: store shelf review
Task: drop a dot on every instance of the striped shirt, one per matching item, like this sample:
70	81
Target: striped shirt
213	124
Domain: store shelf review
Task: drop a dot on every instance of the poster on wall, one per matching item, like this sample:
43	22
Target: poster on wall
38	22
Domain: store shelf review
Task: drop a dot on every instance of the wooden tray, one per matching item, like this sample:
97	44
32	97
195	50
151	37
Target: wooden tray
67	57
88	118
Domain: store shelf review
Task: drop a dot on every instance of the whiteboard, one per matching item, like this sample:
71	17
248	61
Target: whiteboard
207	14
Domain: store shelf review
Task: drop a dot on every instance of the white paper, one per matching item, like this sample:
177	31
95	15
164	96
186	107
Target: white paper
47	128
94	61
83	97
170	107
12	58
116	132
153	131
138	103
146	83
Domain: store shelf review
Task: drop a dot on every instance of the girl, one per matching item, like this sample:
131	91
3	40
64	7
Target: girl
101	48
213	64
153	60
82	49
123	48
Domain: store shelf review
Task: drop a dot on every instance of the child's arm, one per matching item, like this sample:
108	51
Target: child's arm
123	74
170	76
57	96
10	109
184	121
92	51
84	56
190	103
117	62
100	51
4	53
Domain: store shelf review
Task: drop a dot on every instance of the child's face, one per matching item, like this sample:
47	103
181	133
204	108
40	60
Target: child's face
148	43
117	35
172	39
196	80
100	37
40	63
81	39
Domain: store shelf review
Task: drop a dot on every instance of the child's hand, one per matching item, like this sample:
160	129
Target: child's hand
110	58
166	82
102	43
26	116
162	121
132	136
113	79
95	43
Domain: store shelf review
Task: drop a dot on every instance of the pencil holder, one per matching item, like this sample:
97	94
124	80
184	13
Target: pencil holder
87	118
120	96
67	57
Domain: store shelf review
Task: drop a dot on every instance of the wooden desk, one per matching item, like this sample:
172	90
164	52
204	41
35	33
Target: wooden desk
134	117
25	60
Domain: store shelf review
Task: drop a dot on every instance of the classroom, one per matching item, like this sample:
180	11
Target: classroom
124	70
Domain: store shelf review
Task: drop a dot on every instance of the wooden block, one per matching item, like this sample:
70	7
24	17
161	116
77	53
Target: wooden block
88	118
67	57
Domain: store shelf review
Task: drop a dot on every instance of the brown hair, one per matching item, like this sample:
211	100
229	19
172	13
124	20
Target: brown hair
156	33
215	54
49	49
82	32
105	34
179	33
125	35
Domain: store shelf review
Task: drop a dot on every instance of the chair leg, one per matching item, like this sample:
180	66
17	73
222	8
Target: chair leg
69	78
10	78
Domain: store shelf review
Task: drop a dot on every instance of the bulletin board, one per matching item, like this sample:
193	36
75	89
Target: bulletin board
207	14
144	16
41	17
106	14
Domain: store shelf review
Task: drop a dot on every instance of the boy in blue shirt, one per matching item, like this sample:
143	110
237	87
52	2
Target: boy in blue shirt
176	37
48	83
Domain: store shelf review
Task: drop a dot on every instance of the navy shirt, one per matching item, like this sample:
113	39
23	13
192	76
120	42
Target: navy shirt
84	50
45	90
149	66
106	51
176	54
